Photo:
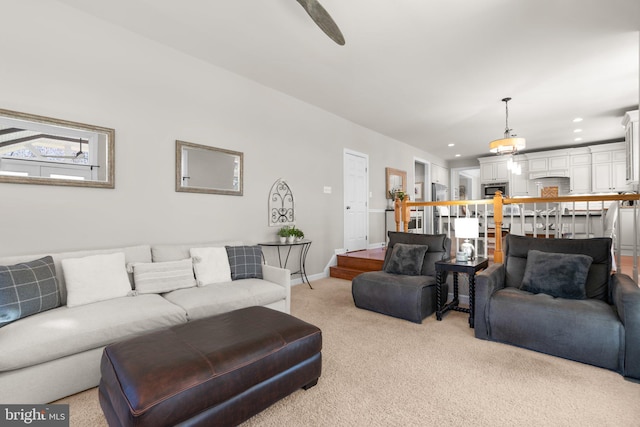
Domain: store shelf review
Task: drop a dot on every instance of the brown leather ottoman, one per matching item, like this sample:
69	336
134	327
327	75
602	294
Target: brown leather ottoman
220	370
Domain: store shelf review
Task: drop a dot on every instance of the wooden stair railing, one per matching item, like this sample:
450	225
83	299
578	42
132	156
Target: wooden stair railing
403	209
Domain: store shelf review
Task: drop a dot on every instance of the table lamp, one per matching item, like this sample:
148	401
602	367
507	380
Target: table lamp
466	228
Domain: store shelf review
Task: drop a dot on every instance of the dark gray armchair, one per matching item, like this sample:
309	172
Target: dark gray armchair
530	301
406	286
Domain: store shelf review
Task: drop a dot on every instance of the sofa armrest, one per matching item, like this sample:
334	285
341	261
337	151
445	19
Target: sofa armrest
625	295
487	283
279	276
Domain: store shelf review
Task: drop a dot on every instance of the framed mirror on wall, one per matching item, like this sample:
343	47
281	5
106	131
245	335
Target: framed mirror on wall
396	181
43	150
206	169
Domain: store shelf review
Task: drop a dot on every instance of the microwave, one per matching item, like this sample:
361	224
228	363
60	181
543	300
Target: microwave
488	190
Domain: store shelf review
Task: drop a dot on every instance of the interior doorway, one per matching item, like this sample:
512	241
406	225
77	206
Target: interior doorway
356	209
465	183
422	190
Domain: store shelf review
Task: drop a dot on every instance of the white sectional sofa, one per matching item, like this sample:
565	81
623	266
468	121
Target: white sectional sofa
56	353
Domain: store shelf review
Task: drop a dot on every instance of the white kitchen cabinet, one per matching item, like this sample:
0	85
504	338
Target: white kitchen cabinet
592	169
519	185
558	162
493	169
632	147
548	164
580	179
609	168
620	172
580	171
609	177
601	181
551	163
624	230
538	165
439	175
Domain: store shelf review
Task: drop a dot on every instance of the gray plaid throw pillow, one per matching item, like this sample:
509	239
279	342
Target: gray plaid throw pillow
245	262
27	288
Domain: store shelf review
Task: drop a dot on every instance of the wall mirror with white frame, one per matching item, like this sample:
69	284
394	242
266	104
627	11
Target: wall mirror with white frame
43	150
206	169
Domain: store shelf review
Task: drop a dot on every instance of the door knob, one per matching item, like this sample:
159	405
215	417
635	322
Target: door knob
348	207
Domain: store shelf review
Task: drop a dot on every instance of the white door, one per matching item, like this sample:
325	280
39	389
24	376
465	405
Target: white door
356	215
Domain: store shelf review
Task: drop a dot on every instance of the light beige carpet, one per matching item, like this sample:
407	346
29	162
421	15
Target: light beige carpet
381	371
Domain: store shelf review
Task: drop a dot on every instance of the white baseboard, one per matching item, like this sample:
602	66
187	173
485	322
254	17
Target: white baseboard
377	245
333	261
464	299
298	281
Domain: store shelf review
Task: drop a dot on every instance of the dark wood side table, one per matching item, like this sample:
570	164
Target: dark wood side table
305	245
468	267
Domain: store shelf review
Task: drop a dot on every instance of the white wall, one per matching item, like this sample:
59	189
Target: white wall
60	63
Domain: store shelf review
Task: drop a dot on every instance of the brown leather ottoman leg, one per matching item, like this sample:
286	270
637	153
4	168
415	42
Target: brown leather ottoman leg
216	371
107	409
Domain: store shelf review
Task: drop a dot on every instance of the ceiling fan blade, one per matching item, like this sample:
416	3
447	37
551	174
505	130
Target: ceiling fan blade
322	18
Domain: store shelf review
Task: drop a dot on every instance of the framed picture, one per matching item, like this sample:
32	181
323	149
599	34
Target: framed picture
418	191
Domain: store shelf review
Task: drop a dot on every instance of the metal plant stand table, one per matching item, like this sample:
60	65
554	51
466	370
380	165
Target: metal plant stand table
305	245
468	267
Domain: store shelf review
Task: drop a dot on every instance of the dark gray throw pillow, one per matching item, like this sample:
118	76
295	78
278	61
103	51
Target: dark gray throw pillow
558	275
245	262
27	288
406	259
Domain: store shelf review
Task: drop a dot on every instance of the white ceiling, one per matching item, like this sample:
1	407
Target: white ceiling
425	72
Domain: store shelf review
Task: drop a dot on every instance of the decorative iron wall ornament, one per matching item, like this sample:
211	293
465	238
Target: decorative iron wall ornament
281	206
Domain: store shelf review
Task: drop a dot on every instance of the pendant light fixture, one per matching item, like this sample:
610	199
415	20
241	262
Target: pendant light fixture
509	144
513	166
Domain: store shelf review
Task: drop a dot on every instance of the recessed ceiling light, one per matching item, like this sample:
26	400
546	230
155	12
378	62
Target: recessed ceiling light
578	139
577	130
577	120
450	145
458	155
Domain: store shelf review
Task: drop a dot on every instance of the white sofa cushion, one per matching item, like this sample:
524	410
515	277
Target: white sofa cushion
223	297
95	278
160	277
211	265
63	331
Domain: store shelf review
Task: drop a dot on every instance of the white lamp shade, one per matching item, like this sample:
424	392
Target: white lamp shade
507	145
466	228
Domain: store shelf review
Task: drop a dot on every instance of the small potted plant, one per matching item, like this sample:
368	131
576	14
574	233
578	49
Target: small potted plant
291	235
391	198
284	233
299	234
